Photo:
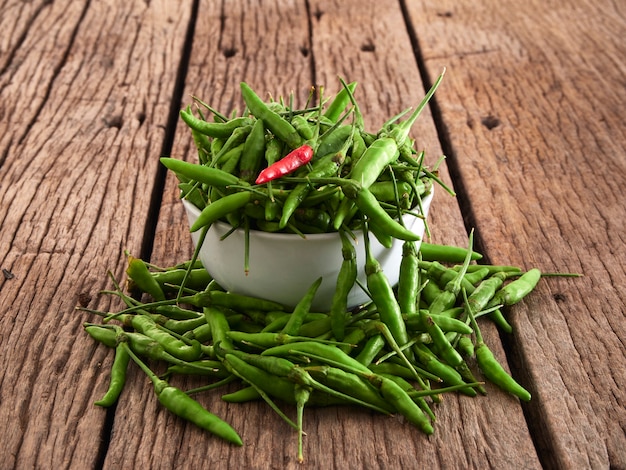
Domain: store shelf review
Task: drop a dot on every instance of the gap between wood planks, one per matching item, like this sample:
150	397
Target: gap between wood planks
515	362
168	138
156	198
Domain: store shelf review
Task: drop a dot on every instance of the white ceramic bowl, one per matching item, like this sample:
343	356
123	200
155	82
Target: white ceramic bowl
283	266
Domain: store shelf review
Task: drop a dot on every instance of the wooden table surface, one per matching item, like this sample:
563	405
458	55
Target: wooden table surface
530	116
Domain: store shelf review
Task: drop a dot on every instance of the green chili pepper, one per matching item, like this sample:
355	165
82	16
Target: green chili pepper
243	395
236	139
304	305
449	294
367	170
302	394
382	294
409	389
182	405
403	403
239	302
220	208
476	276
333	141
272	120
279	322
177	348
316	328
345	281
218	323
197	279
369	205
141	277
282	367
447	324
213	129
430	290
204	367
465	346
443	275
518	289
275	386
371	349
350	384
303	126
327	351
409	279
490	366
202	174
118	376
339	102
440	369
203	145
326	166
104	335
445	253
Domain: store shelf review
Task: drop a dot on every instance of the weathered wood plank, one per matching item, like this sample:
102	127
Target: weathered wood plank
85	89
533	109
265	44
379	56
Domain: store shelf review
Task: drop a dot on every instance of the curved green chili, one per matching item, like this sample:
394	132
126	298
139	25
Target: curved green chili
202	174
182	405
490	366
272	120
345	281
383	296
213	129
118	376
301	310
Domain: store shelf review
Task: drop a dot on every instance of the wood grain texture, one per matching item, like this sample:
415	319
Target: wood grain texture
529	114
533	113
85	91
378	54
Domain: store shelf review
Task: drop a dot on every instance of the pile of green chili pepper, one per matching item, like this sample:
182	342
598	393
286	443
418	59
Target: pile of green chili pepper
311	170
307	171
397	353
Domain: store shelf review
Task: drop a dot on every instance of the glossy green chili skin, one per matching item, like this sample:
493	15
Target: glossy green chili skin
445	253
383	296
350	384
202	174
171	344
118	377
409	279
253	153
221	208
496	374
369	205
403	403
272	120
102	334
277	387
143	279
346	279
518	289
330	352
368	168
302	308
490	366
182	405
213	129
339	102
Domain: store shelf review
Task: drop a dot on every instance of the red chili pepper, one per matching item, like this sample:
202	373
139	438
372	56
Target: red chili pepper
291	162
